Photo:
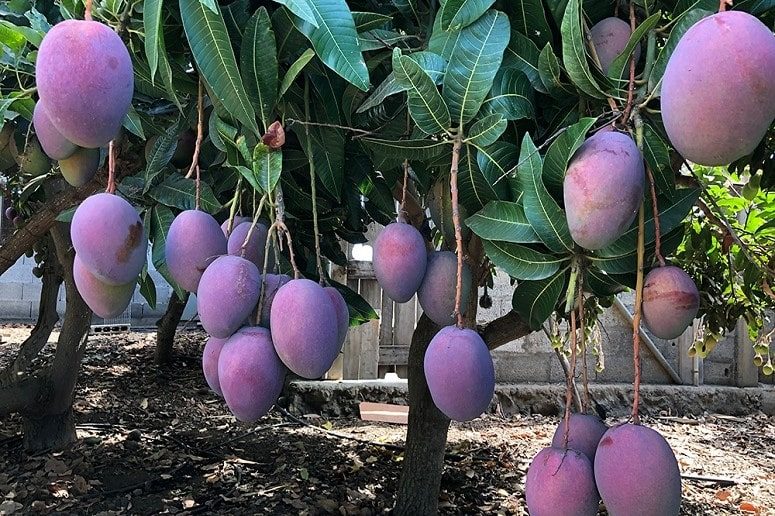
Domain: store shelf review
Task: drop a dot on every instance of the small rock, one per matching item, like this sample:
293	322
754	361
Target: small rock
134	435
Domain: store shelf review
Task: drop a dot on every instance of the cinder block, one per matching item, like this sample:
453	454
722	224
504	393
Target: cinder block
12	291
31	291
521	367
16	310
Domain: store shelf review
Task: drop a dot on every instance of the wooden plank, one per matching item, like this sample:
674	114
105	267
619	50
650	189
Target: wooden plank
393	355
386	322
405	320
360	270
369	344
746	372
685	362
384	412
352	346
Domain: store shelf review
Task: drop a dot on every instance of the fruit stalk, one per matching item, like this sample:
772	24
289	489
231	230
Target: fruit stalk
199	136
282	230
235	201
456	146
313	191
87	10
569	379
584	375
256	215
111	188
655	210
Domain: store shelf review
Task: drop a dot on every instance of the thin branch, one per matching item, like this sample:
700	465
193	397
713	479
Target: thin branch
313	187
655	210
570	378
637	316
456	221
631	85
292	121
401	209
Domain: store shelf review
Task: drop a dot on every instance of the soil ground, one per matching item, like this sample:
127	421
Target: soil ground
156	441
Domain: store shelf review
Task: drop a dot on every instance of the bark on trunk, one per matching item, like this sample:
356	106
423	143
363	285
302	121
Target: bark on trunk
48	424
47	319
426	437
166	328
49	431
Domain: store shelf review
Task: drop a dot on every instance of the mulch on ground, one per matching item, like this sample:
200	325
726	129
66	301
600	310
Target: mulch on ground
157	441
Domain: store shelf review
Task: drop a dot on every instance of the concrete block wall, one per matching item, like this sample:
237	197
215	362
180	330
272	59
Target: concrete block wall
20	296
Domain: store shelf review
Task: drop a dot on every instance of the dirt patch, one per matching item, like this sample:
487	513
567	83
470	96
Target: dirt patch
157	441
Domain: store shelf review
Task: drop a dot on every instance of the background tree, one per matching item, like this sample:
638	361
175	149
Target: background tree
497	96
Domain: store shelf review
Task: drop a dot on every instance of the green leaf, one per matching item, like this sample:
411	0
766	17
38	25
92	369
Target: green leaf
367	21
180	192
376	39
487	130
522	54
302	9
161	154
535	300
549	72
546	217
620	62
360	310
521	262
503	220
66	215
657	157
210	4
433	64
473	65
147	288
258	61
161	220
456	14
153	32
682	24
496	160
529	19
420	150
476	189
627	261
511	96
601	284
328	156
133	124
672	211
214	56
443	42
574	52
335	40
267	166
560	152
426	106
295	69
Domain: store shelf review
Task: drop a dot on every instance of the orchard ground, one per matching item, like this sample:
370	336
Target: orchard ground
158	441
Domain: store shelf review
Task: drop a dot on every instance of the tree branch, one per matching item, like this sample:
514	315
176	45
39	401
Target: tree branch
503	330
41	222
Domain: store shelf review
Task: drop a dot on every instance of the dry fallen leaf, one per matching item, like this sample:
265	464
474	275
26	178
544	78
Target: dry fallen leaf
749	507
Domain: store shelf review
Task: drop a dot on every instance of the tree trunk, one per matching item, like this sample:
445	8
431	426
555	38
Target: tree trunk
49	431
47	318
167	326
48	423
426	436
